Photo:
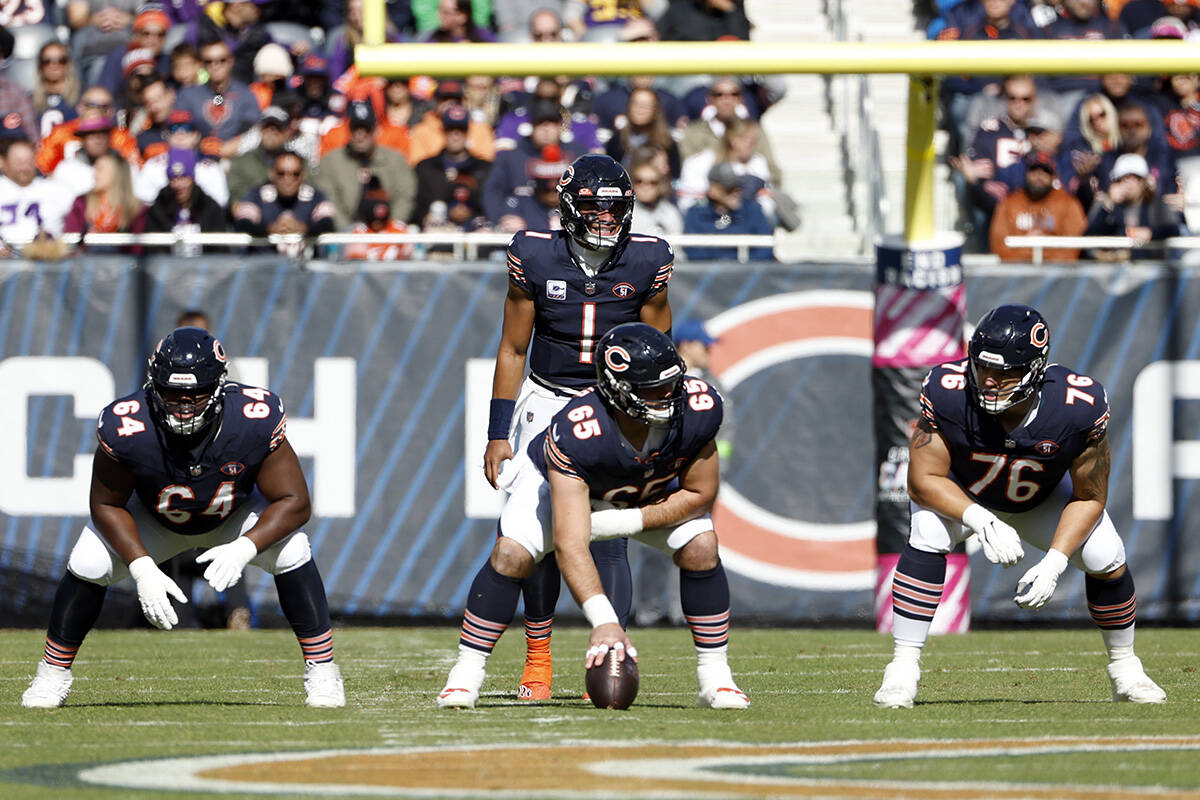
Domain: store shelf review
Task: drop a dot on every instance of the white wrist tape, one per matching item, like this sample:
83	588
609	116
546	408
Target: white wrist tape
140	567
612	523
976	516
599	611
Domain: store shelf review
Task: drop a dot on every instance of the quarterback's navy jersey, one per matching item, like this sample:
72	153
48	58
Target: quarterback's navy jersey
1014	471
193	492
571	310
583	441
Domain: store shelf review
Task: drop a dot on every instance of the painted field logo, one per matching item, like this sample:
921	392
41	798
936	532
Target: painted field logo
646	769
755	541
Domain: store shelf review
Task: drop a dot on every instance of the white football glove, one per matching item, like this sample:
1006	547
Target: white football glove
1001	544
1037	585
153	586
613	523
228	561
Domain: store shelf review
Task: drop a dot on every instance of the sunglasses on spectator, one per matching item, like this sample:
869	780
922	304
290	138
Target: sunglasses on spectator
94	104
55	60
1021	98
732	93
1095	115
221	60
543	36
156	33
289	173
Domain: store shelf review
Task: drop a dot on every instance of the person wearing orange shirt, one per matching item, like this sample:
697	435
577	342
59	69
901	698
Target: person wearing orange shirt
1039	208
428	138
62	142
375	216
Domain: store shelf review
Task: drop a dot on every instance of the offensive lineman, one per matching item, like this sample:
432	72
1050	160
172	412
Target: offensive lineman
566	289
640	448
191	460
996	435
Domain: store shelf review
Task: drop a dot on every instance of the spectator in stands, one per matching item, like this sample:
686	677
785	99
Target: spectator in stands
1131	206
182	206
704	21
481	96
182	136
99	27
56	87
391	131
653	211
1039	208
535	207
253	168
185	66
272	69
37	203
138	70
455	24
76	173
342	174
725	211
511	171
109	206
643	123
285	204
158	100
1137	123
724	106
609	106
739	149
518	21
340	49
453	177
1183	136
1097	133
374	215
63	142
1138	16
585	17
1080	19
1044	134
321	108
427	137
150	28
243	31
224	107
13	97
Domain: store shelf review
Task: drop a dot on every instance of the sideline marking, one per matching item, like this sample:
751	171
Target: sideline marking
680	770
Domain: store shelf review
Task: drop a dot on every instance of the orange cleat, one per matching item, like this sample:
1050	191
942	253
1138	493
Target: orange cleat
538	674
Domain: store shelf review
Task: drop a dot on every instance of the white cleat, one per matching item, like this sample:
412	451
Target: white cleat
323	686
50	687
462	687
717	689
899	688
1130	684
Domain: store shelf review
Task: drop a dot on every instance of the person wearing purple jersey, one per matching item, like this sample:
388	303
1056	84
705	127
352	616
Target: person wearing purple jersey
633	456
997	434
191	460
566	289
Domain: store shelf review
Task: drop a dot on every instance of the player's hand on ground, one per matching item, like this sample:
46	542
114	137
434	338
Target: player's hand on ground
1000	541
609	636
153	588
226	562
1036	586
498	451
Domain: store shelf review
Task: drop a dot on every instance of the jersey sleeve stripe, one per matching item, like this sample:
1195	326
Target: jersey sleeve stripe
278	435
560	461
104	444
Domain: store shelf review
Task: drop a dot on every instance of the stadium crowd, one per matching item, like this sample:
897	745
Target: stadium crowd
1105	155
250	116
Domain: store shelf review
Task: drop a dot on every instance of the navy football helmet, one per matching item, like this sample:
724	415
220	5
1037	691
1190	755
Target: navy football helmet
185	376
639	372
593	184
1014	339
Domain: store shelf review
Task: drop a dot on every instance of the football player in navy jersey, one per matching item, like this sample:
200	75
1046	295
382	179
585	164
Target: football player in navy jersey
996	435
191	460
566	289
634	456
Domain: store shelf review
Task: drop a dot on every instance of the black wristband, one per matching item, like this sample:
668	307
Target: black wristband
500	417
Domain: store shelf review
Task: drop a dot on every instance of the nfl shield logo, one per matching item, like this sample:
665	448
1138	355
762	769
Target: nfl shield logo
528	417
556	290
589	288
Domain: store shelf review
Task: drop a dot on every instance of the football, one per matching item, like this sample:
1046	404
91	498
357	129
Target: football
612	683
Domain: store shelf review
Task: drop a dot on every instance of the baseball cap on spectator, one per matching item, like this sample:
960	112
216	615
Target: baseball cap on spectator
1044	119
550	167
449	89
544	110
94	124
722	174
152	15
313	64
361	114
181	163
692	330
136	59
1038	159
180	119
1130	164
1168	28
375	206
272	59
274	115
456	117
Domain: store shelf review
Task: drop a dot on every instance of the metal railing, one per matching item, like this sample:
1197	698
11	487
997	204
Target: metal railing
1039	244
464	246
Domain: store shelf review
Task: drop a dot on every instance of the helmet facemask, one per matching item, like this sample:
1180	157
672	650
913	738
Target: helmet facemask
185	409
1024	388
657	403
589	225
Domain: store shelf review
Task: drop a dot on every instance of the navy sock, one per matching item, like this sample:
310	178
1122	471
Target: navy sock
612	562
918	583
302	599
76	608
704	597
541	590
491	604
1112	603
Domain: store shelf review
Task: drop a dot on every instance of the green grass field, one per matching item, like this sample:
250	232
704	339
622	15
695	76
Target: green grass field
152	695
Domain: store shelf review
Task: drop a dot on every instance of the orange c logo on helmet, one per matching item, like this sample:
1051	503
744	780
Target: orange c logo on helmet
218	351
567	175
1039	334
616	358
